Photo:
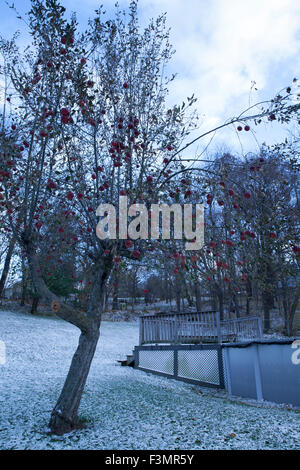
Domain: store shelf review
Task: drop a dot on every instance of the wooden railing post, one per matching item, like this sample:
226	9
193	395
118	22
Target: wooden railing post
141	330
175	329
260	329
157	329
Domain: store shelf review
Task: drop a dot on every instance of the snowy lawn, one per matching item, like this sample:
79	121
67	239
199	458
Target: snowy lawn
123	408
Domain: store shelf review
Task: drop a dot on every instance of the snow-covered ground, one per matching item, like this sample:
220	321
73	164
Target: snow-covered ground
123	408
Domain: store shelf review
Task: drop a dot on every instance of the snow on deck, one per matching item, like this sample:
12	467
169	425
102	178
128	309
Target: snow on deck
123	408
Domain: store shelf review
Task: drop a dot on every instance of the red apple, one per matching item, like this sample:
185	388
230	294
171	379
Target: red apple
136	253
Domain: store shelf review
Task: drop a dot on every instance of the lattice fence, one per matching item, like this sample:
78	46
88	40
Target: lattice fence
199	364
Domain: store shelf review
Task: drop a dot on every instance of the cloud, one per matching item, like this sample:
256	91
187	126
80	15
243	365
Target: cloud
224	45
221	47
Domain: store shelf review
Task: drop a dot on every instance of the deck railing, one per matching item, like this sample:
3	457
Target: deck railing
191	328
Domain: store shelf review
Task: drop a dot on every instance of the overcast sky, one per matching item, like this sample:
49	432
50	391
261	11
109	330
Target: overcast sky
222	46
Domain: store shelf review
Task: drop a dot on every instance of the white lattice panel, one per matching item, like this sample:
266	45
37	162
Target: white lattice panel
199	365
159	361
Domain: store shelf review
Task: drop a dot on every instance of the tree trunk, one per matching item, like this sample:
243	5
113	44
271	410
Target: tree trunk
249	294
133	292
187	294
23	295
236	306
64	415
289	303
247	305
105	301
198	297
220	297
170	293
24	283
115	303
267	300
177	288
189	298
178	301
34	305
7	265
213	300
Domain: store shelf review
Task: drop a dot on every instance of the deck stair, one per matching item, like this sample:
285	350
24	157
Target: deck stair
129	361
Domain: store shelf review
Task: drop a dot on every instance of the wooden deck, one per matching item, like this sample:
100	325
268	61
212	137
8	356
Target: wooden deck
194	328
